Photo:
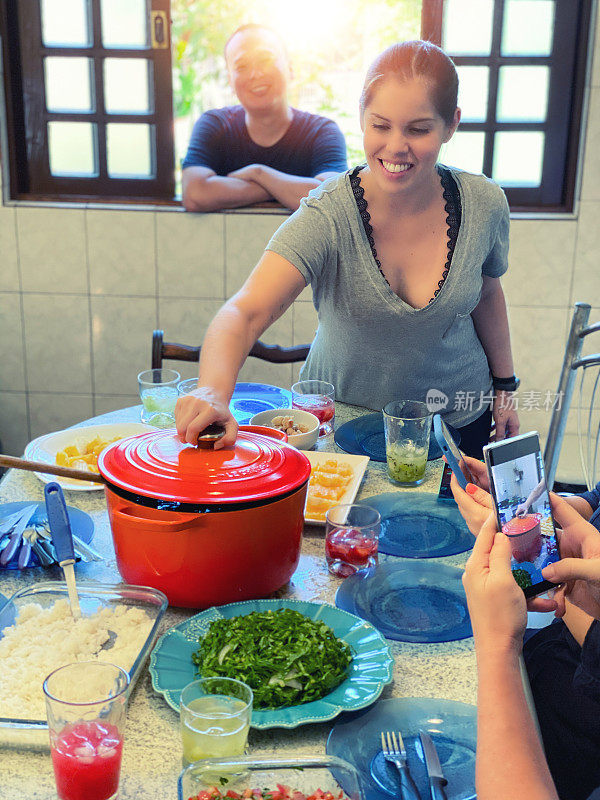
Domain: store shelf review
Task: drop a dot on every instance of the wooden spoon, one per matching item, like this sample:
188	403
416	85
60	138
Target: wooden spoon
50	469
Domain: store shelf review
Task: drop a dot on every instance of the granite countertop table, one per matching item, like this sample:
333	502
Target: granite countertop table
152	753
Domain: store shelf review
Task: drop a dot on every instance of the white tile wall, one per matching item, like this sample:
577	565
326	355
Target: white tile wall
540	260
586	274
57	343
51	245
51	412
190	252
121	252
121	342
246	238
82	290
9	268
12	374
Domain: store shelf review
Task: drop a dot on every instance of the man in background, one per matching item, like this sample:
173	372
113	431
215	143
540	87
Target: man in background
262	149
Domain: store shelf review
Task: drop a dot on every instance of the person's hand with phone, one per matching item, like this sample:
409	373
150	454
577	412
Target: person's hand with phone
474	502
579	568
497	605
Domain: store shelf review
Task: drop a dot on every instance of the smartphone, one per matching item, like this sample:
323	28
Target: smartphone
450	450
522	505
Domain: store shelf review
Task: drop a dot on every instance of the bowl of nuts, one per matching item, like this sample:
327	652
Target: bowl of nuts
302	427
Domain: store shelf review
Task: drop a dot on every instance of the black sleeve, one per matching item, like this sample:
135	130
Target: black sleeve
587	674
329	150
593	497
203	149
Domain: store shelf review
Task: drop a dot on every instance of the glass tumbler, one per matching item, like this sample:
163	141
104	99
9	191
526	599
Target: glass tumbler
85	707
158	393
407	425
215	718
187	386
318	397
351	538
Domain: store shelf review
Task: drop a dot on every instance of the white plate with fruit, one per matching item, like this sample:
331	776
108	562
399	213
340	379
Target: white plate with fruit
79	448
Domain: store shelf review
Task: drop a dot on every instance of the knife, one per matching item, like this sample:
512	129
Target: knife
434	768
16	533
86	552
7	523
62	539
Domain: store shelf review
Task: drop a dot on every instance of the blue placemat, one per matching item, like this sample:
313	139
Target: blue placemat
452	726
409	601
419	525
250	398
81	525
364	436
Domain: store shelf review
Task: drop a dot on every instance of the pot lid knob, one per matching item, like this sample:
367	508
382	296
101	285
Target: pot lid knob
211	434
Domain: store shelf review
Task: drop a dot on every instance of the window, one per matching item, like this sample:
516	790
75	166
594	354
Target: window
521	65
89	100
96	110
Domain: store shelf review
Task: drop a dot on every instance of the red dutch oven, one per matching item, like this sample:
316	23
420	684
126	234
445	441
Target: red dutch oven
206	527
525	536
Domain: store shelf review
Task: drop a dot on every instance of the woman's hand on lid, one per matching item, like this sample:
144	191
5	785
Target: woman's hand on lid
197	410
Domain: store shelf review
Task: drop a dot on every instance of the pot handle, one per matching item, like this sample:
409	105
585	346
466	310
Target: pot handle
185	521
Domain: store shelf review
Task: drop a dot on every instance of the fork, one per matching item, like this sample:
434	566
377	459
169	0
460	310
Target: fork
397	756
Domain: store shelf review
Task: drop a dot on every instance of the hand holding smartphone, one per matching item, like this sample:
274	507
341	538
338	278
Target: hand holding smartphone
522	507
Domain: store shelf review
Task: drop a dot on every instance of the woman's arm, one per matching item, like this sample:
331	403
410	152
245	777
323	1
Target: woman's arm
270	289
491	324
510	760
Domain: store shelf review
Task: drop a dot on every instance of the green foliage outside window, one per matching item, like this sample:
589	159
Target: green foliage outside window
330	42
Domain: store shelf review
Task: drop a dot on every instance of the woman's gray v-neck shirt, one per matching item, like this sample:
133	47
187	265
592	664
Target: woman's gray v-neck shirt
372	345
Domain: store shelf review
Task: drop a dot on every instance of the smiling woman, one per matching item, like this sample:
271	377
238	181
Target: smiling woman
403	256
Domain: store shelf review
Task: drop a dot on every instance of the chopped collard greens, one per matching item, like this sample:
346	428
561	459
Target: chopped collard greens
285	657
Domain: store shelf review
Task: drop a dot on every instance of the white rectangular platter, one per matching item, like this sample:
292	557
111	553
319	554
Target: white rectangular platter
358	465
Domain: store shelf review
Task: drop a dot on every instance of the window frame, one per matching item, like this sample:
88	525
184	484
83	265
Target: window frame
568	63
551	199
26	135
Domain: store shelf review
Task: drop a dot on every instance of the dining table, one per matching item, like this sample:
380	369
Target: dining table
152	752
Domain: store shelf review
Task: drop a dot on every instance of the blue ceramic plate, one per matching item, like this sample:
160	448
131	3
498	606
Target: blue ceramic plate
364	436
250	398
81	525
410	601
419	525
452	726
171	664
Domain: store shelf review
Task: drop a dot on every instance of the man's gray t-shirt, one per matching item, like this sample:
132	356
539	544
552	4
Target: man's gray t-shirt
372	345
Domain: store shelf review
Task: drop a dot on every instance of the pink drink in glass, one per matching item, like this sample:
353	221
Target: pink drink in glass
347	550
86	757
322	407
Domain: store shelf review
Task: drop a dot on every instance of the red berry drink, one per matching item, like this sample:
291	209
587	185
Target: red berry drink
347	550
322	407
87	761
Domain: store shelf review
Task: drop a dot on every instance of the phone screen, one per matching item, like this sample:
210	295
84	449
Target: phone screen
522	504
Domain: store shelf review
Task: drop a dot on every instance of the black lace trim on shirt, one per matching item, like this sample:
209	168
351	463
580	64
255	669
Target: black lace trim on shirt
452	208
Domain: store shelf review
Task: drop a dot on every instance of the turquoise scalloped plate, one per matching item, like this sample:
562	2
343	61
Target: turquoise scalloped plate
171	666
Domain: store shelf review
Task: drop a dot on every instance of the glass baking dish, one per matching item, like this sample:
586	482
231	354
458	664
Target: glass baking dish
92	597
303	773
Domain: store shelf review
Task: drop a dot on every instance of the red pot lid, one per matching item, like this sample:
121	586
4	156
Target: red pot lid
519	525
158	465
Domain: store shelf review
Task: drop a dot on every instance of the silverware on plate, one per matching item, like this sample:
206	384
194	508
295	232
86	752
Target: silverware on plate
434	768
26	531
397	756
16	533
